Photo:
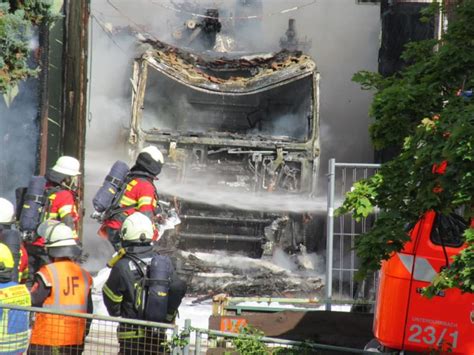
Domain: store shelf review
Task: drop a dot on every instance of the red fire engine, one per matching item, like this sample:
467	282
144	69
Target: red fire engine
406	320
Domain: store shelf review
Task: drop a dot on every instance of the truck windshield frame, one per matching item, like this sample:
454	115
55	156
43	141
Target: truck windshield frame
258	124
282	111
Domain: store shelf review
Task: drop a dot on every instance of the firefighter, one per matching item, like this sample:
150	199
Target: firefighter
61	205
60	285
139	195
12	238
119	291
14	324
61	187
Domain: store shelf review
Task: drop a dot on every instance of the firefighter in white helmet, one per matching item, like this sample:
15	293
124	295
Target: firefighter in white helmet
60	285
7	211
120	290
12	238
63	204
140	194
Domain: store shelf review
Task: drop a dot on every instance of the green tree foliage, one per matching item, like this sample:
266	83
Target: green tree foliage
16	20
422	111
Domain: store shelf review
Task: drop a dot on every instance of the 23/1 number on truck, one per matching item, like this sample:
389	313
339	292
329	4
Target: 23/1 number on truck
432	336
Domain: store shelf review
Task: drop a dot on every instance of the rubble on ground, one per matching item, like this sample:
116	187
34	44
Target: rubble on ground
211	274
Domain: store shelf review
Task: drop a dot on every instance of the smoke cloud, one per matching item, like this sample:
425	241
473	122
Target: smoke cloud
338	50
19	133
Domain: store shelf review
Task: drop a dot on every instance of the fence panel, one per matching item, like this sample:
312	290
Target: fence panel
57	332
216	342
18	333
341	259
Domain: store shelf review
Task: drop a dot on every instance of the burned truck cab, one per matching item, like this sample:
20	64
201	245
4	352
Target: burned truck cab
240	137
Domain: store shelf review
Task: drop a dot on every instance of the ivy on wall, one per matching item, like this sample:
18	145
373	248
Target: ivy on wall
16	20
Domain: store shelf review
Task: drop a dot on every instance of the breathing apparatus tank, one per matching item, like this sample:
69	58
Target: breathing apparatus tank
160	271
33	205
152	291
112	184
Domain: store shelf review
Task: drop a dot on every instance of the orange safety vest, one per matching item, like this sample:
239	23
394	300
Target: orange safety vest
70	287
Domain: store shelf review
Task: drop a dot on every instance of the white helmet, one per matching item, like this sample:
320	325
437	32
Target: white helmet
137	228
59	235
155	153
7	211
45	227
60	241
67	165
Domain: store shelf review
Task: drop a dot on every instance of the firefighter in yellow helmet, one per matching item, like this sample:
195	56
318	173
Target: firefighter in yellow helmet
12	238
14	324
60	285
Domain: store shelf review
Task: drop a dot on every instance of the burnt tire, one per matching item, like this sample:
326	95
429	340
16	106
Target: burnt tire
373	346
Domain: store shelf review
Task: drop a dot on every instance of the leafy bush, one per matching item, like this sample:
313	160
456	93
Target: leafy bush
16	19
250	342
422	110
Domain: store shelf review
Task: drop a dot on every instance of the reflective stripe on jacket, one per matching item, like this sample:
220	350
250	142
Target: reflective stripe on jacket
61	204
70	287
14	324
140	194
23	269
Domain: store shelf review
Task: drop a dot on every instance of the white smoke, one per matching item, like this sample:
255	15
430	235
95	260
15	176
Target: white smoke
241	200
344	39
19	134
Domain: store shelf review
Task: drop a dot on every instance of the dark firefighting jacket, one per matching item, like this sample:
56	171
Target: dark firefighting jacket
119	289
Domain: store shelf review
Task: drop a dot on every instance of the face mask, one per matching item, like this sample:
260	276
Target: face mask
72	183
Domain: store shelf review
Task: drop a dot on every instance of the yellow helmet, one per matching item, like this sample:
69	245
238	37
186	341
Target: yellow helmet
6	261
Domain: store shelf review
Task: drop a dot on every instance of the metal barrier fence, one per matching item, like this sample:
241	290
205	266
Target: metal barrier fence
101	336
223	343
58	332
341	260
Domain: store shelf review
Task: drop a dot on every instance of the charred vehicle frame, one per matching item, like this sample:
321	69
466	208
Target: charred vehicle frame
247	127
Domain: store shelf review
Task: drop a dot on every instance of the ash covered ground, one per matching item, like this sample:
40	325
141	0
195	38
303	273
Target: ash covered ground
209	274
278	275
